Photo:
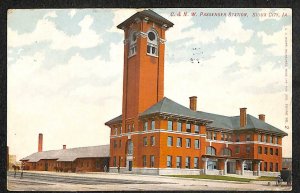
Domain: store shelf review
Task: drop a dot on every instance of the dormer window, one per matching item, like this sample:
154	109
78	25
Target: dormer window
132	44
152	43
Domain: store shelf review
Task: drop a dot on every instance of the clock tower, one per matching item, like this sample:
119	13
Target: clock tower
143	76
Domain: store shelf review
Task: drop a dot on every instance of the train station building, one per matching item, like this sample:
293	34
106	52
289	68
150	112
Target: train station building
156	135
80	159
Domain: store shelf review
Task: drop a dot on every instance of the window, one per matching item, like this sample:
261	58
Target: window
188	127
208	135
152	125
259	137
145	126
237	149
151	161
229	137
196	128
179	126
197	144
226	137
170	141
248	136
152	43
114	162
132	44
128	128
247	149
132	128
226	152
152	140
271	151
116	131
275	140
248	165
169	161
120	143
179	142
215	136
196	162
211	165
115	143
259	150
144	161
145	141
265	166
222	136
130	147
276	167
121	129
187	162
271	139
170	125
265	138
237	138
271	167
210	150
276	151
266	150
178	162
187	143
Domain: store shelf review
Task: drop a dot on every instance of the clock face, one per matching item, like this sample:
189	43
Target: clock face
151	36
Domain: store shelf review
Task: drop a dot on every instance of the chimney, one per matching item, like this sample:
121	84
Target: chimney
243	117
40	147
193	103
262	117
64	146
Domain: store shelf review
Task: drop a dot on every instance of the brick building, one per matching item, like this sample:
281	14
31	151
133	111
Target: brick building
155	135
81	159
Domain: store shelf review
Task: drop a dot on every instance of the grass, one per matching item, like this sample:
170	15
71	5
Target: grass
266	178
227	178
213	177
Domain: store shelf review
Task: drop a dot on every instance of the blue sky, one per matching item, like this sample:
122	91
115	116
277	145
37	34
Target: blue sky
65	70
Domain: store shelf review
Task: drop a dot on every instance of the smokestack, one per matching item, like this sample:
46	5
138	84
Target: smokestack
262	117
243	117
64	146
193	103
40	147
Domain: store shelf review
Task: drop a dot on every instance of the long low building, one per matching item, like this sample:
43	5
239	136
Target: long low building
81	159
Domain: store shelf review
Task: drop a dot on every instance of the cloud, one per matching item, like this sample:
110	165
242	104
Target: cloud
46	31
230	29
72	13
278	40
50	14
121	15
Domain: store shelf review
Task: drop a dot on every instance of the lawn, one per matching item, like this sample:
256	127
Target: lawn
227	178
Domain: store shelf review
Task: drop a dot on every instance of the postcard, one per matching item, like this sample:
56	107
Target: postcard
149	99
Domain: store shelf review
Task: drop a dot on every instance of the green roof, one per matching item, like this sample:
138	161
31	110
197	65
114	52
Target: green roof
168	106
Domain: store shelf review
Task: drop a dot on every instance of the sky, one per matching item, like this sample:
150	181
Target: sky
65	69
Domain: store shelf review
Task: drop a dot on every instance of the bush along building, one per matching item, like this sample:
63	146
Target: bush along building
81	159
156	135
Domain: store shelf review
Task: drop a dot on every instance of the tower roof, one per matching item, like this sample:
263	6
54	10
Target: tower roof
151	15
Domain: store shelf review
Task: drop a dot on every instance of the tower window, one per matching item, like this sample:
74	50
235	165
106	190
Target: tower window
152	44
132	44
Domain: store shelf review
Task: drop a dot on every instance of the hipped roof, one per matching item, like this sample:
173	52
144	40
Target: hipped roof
70	154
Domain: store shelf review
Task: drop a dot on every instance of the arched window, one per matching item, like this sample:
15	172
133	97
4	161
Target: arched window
210	150
226	152
132	43
152	43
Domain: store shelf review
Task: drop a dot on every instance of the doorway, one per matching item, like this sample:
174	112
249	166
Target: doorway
130	165
231	167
